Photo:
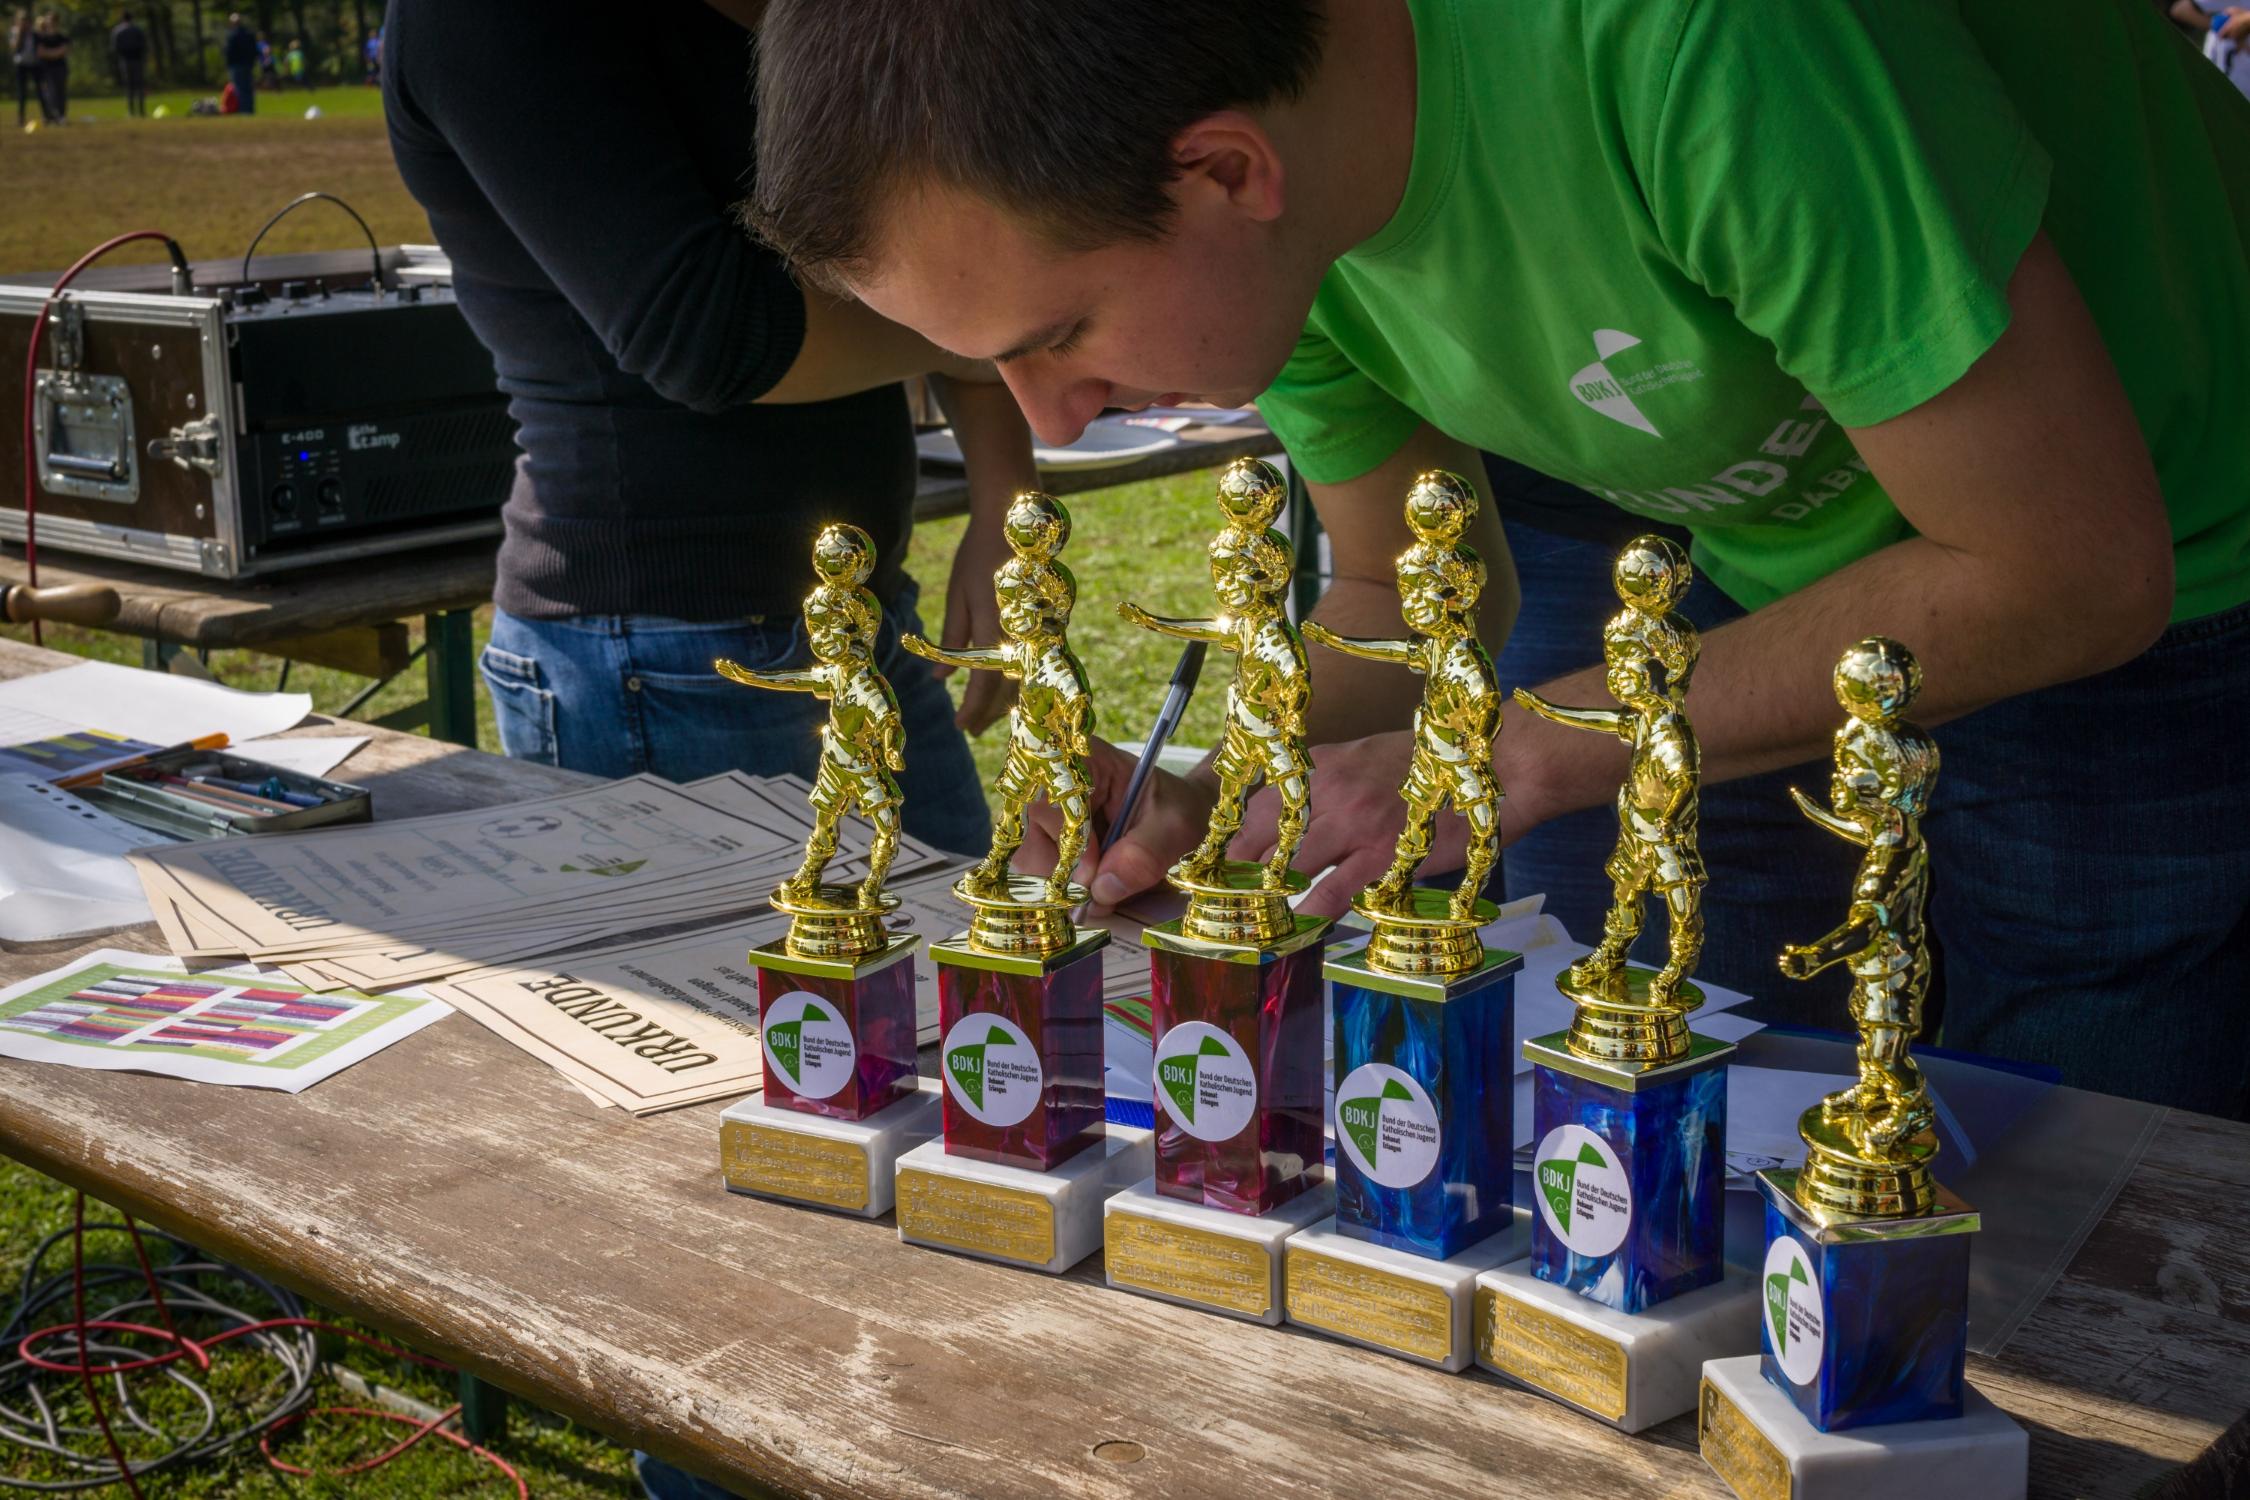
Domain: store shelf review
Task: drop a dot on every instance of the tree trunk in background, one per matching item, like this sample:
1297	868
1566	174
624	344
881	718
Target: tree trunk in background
202	58
304	36
358	65
166	45
265	19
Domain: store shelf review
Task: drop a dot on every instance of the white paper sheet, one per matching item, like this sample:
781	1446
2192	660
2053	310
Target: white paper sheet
153	706
305	756
62	865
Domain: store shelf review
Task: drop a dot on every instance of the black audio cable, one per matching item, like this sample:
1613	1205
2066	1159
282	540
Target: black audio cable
374	252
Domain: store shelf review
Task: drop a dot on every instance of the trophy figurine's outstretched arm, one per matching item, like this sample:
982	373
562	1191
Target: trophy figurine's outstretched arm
1843	828
1217	632
1404	653
1614	721
1804	960
974	658
791	680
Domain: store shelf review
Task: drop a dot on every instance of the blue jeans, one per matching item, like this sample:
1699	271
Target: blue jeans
245	81
2089	852
618	695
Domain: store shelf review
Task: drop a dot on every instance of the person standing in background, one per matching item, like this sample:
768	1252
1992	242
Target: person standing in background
53	44
128	54
293	64
240	53
689	418
269	75
25	51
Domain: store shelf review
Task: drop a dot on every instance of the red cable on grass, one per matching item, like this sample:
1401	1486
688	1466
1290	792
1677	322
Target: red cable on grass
31	392
197	1352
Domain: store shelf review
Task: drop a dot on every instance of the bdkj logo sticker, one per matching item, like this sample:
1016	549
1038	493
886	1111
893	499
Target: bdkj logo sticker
1386	1123
1584	1195
1795	1323
808	1044
991	1069
1205	1082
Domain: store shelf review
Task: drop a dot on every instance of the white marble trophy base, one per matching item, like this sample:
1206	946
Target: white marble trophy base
1049	1221
1203	1257
1384	1299
1755	1439
1632	1370
844	1165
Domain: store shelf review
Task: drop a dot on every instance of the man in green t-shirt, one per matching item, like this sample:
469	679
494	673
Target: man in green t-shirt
1927	318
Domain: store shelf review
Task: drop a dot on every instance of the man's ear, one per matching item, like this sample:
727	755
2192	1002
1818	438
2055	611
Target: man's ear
1228	159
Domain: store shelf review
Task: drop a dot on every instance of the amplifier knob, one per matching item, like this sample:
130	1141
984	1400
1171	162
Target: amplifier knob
283	499
331	497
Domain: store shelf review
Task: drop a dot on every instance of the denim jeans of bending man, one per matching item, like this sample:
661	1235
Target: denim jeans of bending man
618	695
2089	854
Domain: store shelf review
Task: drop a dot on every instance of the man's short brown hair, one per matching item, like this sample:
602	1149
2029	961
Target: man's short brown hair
1062	111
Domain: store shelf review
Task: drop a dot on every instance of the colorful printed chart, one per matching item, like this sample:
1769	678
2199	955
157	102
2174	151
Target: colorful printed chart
129	1011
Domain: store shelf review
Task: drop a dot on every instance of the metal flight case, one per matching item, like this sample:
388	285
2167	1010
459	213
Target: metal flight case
304	414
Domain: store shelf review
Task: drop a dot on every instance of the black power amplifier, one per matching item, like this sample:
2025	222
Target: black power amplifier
317	410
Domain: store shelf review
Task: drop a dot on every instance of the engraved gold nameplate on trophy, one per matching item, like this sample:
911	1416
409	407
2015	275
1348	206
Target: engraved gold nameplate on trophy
1424	1014
1863	1316
1626	1292
1234	985
1026	1160
841	1100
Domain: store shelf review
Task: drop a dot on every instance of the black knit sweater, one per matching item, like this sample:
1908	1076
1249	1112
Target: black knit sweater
579	165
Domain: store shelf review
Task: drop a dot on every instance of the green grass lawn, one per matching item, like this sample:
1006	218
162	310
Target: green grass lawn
211	182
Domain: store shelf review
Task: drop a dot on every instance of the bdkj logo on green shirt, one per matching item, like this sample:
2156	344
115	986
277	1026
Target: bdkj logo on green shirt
1387	1125
991	1069
1205	1082
1585	1198
808	1044
1796	1325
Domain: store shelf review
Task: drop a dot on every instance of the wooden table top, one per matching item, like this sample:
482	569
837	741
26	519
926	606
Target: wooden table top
456	1192
168	605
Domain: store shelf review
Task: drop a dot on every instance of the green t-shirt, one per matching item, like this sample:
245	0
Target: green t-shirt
1667	249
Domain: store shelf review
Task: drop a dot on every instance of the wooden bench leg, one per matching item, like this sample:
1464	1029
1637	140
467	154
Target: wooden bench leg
449	656
484	1410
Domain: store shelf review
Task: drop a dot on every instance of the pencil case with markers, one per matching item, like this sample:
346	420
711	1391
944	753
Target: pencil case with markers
209	794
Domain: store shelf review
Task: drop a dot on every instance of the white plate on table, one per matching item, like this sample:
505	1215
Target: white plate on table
1107	444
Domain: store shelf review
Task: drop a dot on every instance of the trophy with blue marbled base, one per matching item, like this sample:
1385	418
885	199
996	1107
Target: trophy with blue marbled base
1626	1293
1865	1287
1424	1015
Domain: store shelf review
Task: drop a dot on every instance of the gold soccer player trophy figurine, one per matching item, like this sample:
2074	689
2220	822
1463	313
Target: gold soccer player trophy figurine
1623	1013
1423	1016
1235	982
1869	1146
1440	579
1264	739
1020	993
1859	1379
1628	1106
840	1098
1050	730
862	743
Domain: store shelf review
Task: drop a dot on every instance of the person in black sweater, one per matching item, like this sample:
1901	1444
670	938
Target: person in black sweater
128	51
688	417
